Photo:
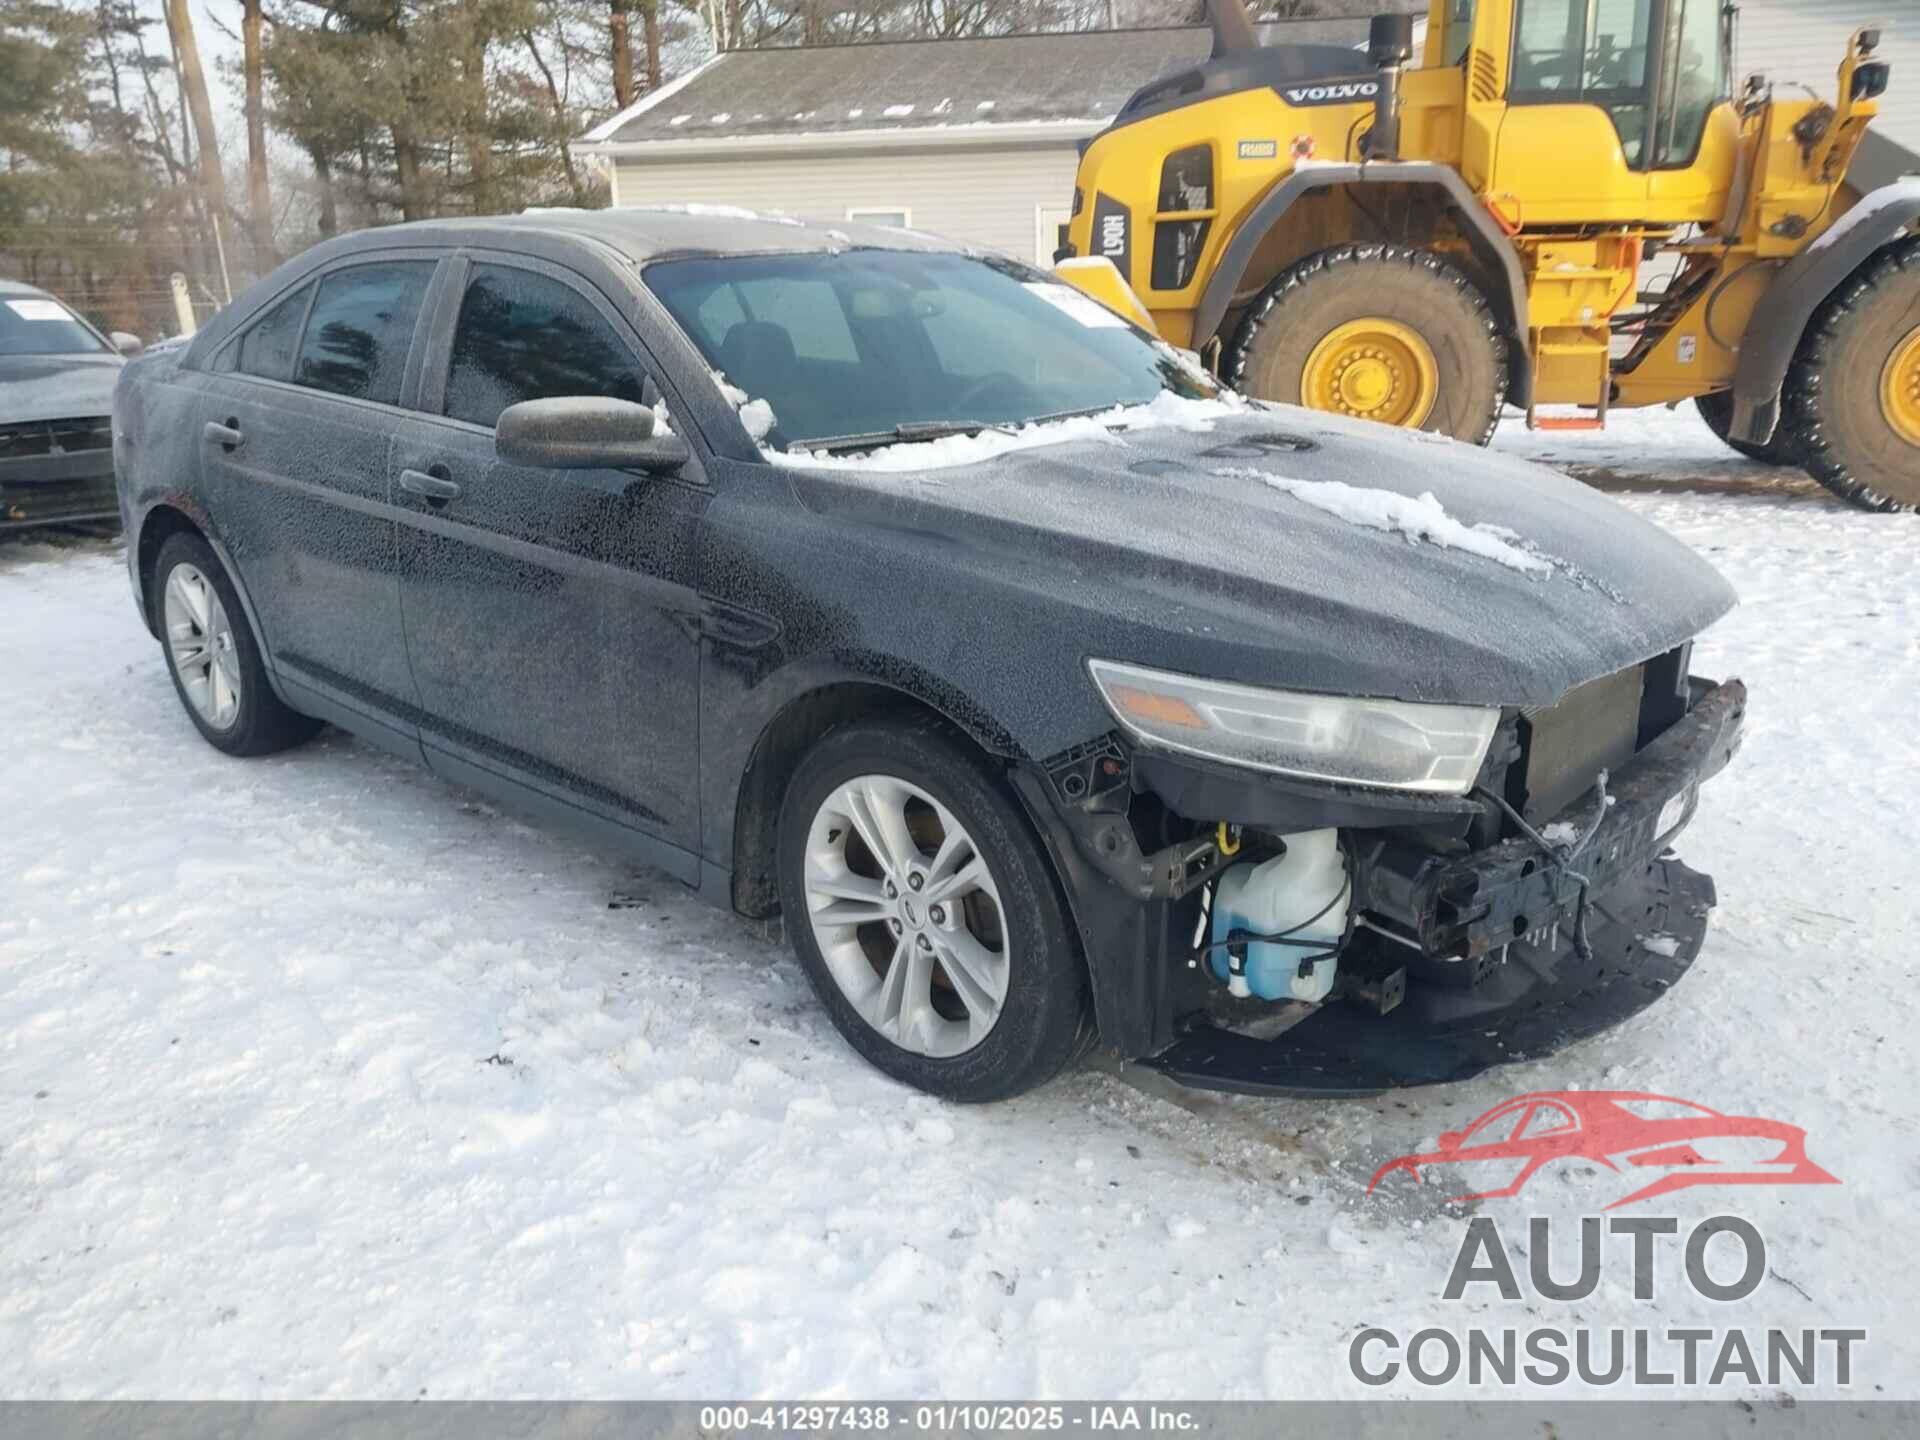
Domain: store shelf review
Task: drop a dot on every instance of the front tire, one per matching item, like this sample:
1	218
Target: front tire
1853	394
213	656
926	915
1377	332
1716	408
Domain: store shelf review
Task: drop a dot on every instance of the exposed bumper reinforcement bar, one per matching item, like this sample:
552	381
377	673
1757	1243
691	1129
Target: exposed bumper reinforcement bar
1543	999
1647	918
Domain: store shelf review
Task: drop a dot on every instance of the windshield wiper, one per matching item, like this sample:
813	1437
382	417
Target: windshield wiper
907	430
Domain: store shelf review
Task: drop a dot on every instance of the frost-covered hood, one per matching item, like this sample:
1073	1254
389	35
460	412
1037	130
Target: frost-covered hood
1250	551
56	387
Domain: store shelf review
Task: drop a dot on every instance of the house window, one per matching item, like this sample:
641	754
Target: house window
897	219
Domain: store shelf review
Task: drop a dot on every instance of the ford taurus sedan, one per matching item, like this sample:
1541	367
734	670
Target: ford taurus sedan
1049	695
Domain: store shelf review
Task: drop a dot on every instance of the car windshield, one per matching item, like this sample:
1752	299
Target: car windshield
872	345
41	325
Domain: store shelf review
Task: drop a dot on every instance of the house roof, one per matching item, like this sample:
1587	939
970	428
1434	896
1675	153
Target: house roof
906	88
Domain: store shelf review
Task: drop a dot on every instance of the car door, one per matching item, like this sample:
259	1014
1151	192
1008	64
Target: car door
297	420
550	615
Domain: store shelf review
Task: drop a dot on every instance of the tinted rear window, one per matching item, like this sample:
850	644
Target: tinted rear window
358	334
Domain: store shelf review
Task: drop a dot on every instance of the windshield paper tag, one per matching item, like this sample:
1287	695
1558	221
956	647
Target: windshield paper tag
1065	298
38	309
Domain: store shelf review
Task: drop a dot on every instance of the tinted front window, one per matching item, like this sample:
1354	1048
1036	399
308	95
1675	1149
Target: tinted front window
41	325
522	336
267	349
860	342
362	323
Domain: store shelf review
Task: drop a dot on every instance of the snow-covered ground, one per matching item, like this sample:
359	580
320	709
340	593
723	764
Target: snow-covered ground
318	1077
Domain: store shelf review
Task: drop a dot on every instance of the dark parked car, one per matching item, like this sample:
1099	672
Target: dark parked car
56	395
1045	692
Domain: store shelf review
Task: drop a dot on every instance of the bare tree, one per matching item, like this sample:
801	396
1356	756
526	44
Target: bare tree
619	30
259	194
193	85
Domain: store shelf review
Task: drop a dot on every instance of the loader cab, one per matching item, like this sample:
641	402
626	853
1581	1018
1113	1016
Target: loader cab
1640	90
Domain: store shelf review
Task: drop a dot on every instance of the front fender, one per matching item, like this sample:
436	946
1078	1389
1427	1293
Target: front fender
747	697
1489	242
1803	284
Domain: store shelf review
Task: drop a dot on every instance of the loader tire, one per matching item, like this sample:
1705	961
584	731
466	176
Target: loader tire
1716	409
1378	332
1853	392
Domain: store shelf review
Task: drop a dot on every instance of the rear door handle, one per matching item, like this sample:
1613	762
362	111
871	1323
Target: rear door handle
432	486
227	435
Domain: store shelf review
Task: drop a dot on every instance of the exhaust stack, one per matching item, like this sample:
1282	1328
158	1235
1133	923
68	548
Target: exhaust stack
1389	47
1232	27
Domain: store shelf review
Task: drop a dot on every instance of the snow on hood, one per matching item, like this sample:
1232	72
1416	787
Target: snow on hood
1165	562
1166	410
1419	518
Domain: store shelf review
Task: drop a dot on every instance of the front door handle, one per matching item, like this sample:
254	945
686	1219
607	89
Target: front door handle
434	486
227	436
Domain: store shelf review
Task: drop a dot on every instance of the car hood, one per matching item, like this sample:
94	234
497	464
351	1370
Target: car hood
56	387
1247	551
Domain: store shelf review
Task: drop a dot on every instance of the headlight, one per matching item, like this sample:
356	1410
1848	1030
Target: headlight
1386	743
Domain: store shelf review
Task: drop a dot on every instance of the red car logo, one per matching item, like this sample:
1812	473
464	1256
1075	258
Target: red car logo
1623	1132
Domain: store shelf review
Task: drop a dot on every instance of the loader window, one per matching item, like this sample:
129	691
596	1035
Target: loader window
1592	52
1696	78
1459	37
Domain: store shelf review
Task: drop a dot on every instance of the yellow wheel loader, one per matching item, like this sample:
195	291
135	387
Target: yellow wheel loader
1564	206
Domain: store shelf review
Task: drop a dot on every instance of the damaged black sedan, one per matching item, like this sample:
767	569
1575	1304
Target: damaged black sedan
1046	693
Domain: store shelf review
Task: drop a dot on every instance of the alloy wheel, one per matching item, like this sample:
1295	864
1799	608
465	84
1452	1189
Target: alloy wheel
200	646
907	915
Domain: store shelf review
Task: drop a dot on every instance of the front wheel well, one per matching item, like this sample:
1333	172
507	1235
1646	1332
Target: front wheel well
787	738
161	523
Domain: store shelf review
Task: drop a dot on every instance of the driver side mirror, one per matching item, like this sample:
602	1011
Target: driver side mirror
128	345
586	432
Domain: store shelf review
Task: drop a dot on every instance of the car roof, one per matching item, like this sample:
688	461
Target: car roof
649	232
20	287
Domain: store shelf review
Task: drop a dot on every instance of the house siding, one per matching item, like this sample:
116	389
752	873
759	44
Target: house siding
1802	41
977	194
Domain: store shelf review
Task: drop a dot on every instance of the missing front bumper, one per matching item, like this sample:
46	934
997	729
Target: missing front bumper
1509	918
1645	931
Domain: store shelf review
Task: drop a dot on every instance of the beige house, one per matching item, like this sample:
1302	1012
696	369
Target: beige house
975	140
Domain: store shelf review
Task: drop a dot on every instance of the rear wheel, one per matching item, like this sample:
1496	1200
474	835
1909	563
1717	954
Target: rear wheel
1853	394
213	656
1377	332
1716	409
926	916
